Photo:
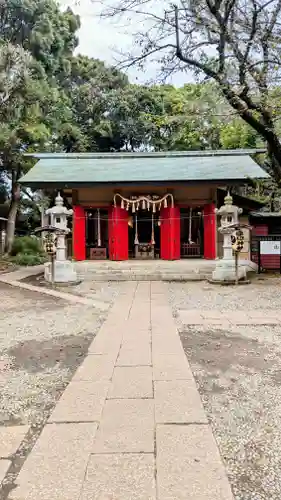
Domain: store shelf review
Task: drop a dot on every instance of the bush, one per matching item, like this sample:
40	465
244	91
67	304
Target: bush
26	245
27	251
28	259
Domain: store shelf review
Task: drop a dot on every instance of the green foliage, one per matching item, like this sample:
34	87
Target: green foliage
237	134
28	259
27	251
26	245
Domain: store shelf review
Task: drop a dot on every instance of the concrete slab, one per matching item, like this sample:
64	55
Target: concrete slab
131	382
202	318
95	368
169	330
262	313
188	464
134	356
212	314
171	367
166	344
81	402
141	344
212	321
120	477
105	344
256	321
136	332
4	467
127	426
11	438
56	467
178	401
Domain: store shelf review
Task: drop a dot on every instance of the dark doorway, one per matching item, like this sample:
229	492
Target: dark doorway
142	225
95	219
192	241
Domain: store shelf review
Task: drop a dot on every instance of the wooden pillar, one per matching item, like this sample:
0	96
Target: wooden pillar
210	232
164	234
118	234
170	233
79	233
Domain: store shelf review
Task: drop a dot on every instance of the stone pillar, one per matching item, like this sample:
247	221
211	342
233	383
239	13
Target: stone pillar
225	271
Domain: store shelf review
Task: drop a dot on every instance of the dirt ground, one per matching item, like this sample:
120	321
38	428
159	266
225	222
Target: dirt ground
238	373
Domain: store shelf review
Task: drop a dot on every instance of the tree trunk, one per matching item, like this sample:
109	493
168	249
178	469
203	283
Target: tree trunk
11	223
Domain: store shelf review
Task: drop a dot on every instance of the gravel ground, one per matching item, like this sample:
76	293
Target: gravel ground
88	288
41	345
238	372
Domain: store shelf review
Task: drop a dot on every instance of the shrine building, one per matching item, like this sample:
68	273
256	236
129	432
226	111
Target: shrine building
145	205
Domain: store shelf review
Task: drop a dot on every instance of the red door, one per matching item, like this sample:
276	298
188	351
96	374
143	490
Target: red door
118	234
79	233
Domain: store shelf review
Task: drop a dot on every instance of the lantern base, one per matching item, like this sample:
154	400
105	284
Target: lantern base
225	271
63	272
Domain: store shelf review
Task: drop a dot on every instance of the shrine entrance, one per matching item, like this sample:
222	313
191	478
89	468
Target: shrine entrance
153	232
144	235
192	232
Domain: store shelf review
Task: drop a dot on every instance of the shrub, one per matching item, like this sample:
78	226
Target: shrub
26	245
27	251
28	259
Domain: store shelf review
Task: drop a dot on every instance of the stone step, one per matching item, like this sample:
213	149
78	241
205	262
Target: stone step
109	276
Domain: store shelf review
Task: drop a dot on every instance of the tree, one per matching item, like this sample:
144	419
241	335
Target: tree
90	86
37	41
50	99
43	30
234	43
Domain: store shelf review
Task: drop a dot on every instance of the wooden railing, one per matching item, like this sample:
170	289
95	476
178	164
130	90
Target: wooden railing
190	250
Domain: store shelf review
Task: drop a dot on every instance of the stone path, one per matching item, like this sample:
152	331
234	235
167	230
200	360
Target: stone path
10	441
130	425
228	318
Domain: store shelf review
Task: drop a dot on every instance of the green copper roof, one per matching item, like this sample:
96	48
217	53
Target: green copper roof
90	168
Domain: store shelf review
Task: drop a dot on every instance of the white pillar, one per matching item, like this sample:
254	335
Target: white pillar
227	247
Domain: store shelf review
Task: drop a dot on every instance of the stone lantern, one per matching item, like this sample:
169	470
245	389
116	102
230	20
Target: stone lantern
226	270
63	271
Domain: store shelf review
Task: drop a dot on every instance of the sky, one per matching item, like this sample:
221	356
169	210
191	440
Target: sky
98	38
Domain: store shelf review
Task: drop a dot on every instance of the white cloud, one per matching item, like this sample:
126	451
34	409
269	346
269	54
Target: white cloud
99	37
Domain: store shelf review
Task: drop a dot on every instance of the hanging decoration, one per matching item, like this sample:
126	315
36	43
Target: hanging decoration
190	227
99	231
152	231
136	231
144	202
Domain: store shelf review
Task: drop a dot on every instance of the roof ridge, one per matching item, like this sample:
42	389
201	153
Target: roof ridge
151	154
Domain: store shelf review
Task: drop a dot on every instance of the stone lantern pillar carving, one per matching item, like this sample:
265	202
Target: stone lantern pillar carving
225	270
64	271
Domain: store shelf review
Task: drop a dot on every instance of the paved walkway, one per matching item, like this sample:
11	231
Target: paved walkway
130	425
